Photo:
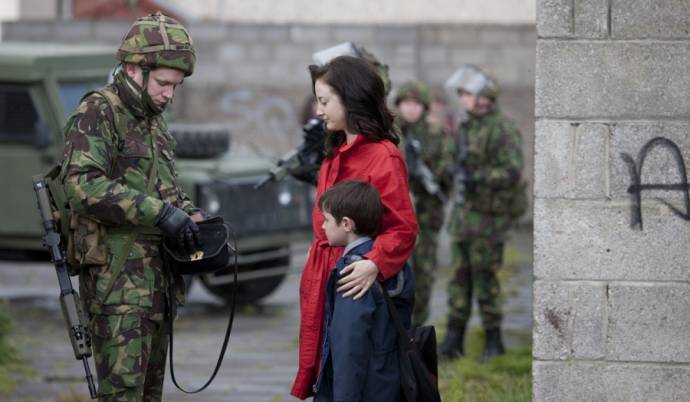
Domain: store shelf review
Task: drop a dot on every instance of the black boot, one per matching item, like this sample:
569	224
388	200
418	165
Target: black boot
494	345
453	344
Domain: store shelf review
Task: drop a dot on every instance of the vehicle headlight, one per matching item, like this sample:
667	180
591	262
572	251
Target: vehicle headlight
209	200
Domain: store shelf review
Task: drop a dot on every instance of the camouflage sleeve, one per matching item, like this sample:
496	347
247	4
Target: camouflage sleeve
89	144
442	159
505	147
185	203
449	166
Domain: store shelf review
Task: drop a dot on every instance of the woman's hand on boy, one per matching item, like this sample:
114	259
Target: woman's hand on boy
357	278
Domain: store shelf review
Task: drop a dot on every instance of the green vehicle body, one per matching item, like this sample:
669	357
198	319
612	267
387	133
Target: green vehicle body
40	84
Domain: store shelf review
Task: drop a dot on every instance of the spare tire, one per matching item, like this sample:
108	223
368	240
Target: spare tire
200	141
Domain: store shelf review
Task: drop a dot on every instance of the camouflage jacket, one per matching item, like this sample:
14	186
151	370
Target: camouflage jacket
106	170
494	164
434	152
434	145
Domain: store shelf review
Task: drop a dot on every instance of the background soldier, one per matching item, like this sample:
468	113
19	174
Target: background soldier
119	177
489	162
423	143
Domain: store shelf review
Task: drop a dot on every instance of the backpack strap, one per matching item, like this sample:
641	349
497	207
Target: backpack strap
118	124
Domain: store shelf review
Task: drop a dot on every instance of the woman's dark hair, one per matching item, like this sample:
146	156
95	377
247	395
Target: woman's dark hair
362	93
357	200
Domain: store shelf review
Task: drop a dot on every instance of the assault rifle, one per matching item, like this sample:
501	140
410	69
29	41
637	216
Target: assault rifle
419	170
304	161
79	334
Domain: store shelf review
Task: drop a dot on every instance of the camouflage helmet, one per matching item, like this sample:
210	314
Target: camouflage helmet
474	80
350	49
158	41
416	90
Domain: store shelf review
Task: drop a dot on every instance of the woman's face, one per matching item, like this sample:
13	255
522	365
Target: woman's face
329	107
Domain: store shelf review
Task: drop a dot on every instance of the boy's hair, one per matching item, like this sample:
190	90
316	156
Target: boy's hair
356	200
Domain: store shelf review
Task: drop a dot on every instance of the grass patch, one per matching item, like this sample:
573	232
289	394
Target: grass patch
513	260
506	378
10	358
73	396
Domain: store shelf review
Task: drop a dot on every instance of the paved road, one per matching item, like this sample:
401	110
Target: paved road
262	358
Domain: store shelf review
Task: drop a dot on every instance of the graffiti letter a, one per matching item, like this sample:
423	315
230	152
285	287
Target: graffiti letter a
636	187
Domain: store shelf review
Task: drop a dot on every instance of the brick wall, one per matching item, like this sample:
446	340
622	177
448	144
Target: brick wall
611	294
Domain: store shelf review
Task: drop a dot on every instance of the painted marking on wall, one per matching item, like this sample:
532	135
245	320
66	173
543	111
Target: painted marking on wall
636	187
267	115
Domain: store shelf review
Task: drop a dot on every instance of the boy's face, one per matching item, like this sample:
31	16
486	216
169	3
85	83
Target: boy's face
336	233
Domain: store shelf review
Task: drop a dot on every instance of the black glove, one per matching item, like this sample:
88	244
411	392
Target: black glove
175	223
312	147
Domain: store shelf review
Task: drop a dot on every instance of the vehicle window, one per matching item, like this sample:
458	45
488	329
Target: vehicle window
18	116
71	92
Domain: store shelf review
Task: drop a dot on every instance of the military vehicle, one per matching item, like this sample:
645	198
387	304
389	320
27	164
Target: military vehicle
41	84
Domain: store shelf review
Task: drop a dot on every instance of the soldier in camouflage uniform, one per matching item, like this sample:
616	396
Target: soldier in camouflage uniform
489	160
423	142
120	179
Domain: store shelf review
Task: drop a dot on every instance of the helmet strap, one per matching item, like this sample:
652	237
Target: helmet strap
148	102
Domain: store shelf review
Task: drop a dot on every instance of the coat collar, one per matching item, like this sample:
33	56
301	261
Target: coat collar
354	144
353	245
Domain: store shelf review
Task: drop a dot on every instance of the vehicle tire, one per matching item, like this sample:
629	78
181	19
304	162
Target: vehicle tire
248	292
200	143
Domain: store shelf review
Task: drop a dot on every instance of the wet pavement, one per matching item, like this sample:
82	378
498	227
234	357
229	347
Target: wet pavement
261	360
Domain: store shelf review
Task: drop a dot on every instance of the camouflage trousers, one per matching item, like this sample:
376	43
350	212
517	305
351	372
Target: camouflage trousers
424	264
476	263
130	355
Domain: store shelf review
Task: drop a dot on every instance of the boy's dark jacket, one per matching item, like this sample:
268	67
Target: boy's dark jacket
360	346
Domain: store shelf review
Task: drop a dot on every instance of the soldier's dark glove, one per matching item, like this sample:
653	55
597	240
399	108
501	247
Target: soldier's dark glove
175	223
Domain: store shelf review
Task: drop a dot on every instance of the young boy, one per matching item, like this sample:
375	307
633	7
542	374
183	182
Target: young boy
359	360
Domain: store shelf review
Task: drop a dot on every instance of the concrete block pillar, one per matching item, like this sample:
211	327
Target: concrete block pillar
612	204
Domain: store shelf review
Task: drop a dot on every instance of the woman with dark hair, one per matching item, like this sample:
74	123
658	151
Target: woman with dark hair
361	144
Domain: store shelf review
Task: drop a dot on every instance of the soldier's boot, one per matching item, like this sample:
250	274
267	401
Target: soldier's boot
453	344
494	345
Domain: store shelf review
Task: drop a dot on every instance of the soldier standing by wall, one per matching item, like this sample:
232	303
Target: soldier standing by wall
423	143
489	160
119	176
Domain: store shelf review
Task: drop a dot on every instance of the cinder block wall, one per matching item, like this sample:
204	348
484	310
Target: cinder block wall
611	292
255	78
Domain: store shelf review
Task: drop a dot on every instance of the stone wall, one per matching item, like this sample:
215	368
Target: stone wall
611	293
361	11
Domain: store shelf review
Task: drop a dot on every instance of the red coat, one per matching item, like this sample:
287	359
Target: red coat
382	165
